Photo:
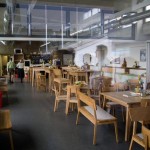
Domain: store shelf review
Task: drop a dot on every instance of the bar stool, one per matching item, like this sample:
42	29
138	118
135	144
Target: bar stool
42	82
30	74
61	82
71	96
37	79
5	124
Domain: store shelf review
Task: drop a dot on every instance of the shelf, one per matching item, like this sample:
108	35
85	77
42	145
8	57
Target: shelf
125	74
110	69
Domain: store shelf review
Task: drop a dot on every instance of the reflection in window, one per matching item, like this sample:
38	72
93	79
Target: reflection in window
147	8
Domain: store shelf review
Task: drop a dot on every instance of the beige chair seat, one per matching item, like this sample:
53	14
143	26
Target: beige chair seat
100	113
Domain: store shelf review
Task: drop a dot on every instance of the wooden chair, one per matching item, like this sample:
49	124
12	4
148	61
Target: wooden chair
58	96
37	79
57	73
133	83
97	85
146	137
5	124
71	96
42	82
94	114
139	114
112	105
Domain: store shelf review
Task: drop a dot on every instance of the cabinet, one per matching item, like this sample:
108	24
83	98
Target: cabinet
18	57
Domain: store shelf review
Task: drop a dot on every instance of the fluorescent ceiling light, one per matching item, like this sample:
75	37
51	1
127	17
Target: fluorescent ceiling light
134	22
118	18
45	44
5	20
3	42
126	26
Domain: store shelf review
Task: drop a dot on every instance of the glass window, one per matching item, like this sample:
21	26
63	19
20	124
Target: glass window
147	8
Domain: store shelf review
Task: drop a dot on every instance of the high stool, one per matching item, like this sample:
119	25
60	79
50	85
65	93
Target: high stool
5	124
42	82
61	82
37	79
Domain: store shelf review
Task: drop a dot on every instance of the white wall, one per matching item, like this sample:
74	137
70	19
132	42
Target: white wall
116	48
91	48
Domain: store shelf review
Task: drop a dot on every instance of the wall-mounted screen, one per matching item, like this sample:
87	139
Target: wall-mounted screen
18	51
27	63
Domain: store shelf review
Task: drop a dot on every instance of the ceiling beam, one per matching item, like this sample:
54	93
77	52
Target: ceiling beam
86	3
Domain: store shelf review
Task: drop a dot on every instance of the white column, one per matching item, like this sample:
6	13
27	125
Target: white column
148	62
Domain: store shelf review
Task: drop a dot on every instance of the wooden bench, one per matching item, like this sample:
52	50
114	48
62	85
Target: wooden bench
94	114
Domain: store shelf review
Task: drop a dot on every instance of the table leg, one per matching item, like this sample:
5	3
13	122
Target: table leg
32	77
128	125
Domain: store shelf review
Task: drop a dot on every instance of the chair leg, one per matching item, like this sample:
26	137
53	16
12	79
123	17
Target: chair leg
11	140
94	136
67	107
55	105
131	144
77	120
116	131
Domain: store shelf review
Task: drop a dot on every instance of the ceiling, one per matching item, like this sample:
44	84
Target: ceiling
111	4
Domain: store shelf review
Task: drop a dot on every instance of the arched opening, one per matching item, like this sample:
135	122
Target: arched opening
101	53
87	58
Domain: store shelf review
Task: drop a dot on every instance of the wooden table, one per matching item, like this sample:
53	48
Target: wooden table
127	102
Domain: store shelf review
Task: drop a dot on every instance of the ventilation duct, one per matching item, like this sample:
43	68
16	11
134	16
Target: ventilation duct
127	20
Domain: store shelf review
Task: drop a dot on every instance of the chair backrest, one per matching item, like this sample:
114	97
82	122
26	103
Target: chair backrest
145	102
88	101
146	135
120	86
133	83
43	79
57	73
108	89
106	81
72	89
140	113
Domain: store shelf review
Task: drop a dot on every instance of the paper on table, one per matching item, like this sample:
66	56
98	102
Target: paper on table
131	94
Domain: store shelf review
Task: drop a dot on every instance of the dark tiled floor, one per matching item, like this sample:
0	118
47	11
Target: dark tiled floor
37	127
